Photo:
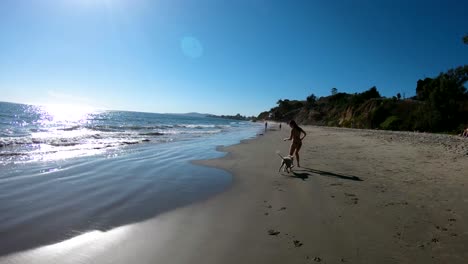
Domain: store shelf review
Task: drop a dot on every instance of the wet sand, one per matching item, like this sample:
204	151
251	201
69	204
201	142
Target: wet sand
361	196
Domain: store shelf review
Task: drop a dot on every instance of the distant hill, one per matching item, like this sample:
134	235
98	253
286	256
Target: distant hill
234	117
192	114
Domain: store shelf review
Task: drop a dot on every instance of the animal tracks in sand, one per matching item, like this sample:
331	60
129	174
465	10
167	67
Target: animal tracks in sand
276	233
274	210
353	198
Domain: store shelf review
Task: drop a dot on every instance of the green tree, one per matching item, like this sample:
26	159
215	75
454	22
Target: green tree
398	95
311	100
445	99
423	88
334	91
371	93
465	39
391	123
263	115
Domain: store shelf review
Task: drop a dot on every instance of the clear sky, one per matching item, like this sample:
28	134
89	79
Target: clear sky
221	57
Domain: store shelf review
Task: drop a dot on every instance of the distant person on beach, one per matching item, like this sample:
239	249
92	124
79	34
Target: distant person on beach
280	126
266	125
296	137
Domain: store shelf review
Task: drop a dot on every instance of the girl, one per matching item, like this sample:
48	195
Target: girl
296	137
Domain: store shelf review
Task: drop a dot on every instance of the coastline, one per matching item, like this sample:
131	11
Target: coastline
358	199
48	202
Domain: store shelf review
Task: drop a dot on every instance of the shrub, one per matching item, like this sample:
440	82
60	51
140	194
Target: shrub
391	123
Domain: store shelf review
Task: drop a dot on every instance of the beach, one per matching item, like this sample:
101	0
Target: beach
361	196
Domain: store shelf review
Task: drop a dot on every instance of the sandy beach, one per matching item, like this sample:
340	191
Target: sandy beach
361	196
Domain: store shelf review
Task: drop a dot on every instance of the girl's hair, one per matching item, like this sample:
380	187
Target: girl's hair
293	124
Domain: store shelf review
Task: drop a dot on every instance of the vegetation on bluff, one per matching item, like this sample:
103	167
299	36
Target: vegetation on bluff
440	105
234	117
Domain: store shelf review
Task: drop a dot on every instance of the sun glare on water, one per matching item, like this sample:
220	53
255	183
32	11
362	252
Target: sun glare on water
67	113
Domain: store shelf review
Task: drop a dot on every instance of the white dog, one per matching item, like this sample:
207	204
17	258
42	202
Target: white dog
287	162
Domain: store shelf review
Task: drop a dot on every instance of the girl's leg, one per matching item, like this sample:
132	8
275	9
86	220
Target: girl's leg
297	155
292	148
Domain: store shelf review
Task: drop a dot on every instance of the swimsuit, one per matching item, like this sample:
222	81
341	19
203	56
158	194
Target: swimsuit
296	144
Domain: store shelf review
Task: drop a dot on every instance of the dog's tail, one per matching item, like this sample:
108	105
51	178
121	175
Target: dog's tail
280	155
278	152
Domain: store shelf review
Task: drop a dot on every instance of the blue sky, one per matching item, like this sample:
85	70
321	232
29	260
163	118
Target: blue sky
221	57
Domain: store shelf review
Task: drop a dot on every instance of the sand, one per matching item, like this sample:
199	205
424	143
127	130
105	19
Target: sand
361	196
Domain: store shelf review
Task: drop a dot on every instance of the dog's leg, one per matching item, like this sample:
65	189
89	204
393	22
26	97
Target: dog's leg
282	163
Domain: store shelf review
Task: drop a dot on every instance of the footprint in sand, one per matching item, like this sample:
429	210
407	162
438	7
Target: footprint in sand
297	243
396	203
354	199
282	208
441	228
398	235
273	232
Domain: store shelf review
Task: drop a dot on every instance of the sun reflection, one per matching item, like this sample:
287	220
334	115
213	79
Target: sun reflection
95	239
77	249
66	113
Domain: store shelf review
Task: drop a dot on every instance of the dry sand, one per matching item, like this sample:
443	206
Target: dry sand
361	196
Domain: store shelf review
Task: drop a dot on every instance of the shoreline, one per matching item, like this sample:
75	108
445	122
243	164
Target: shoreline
409	207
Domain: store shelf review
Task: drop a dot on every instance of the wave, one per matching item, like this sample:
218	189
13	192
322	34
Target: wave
35	133
9	154
110	128
154	130
70	128
152	134
71	137
202	126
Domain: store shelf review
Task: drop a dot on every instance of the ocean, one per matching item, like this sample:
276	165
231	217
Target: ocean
65	170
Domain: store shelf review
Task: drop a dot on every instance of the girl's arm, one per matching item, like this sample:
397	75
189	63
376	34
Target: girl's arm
305	134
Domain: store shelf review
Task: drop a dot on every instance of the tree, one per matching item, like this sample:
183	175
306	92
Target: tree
423	88
398	95
311	100
444	98
371	93
465	39
263	115
334	91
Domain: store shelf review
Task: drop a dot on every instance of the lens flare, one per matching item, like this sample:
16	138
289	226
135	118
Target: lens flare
191	47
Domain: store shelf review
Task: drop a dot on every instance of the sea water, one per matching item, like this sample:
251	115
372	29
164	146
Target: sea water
65	171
